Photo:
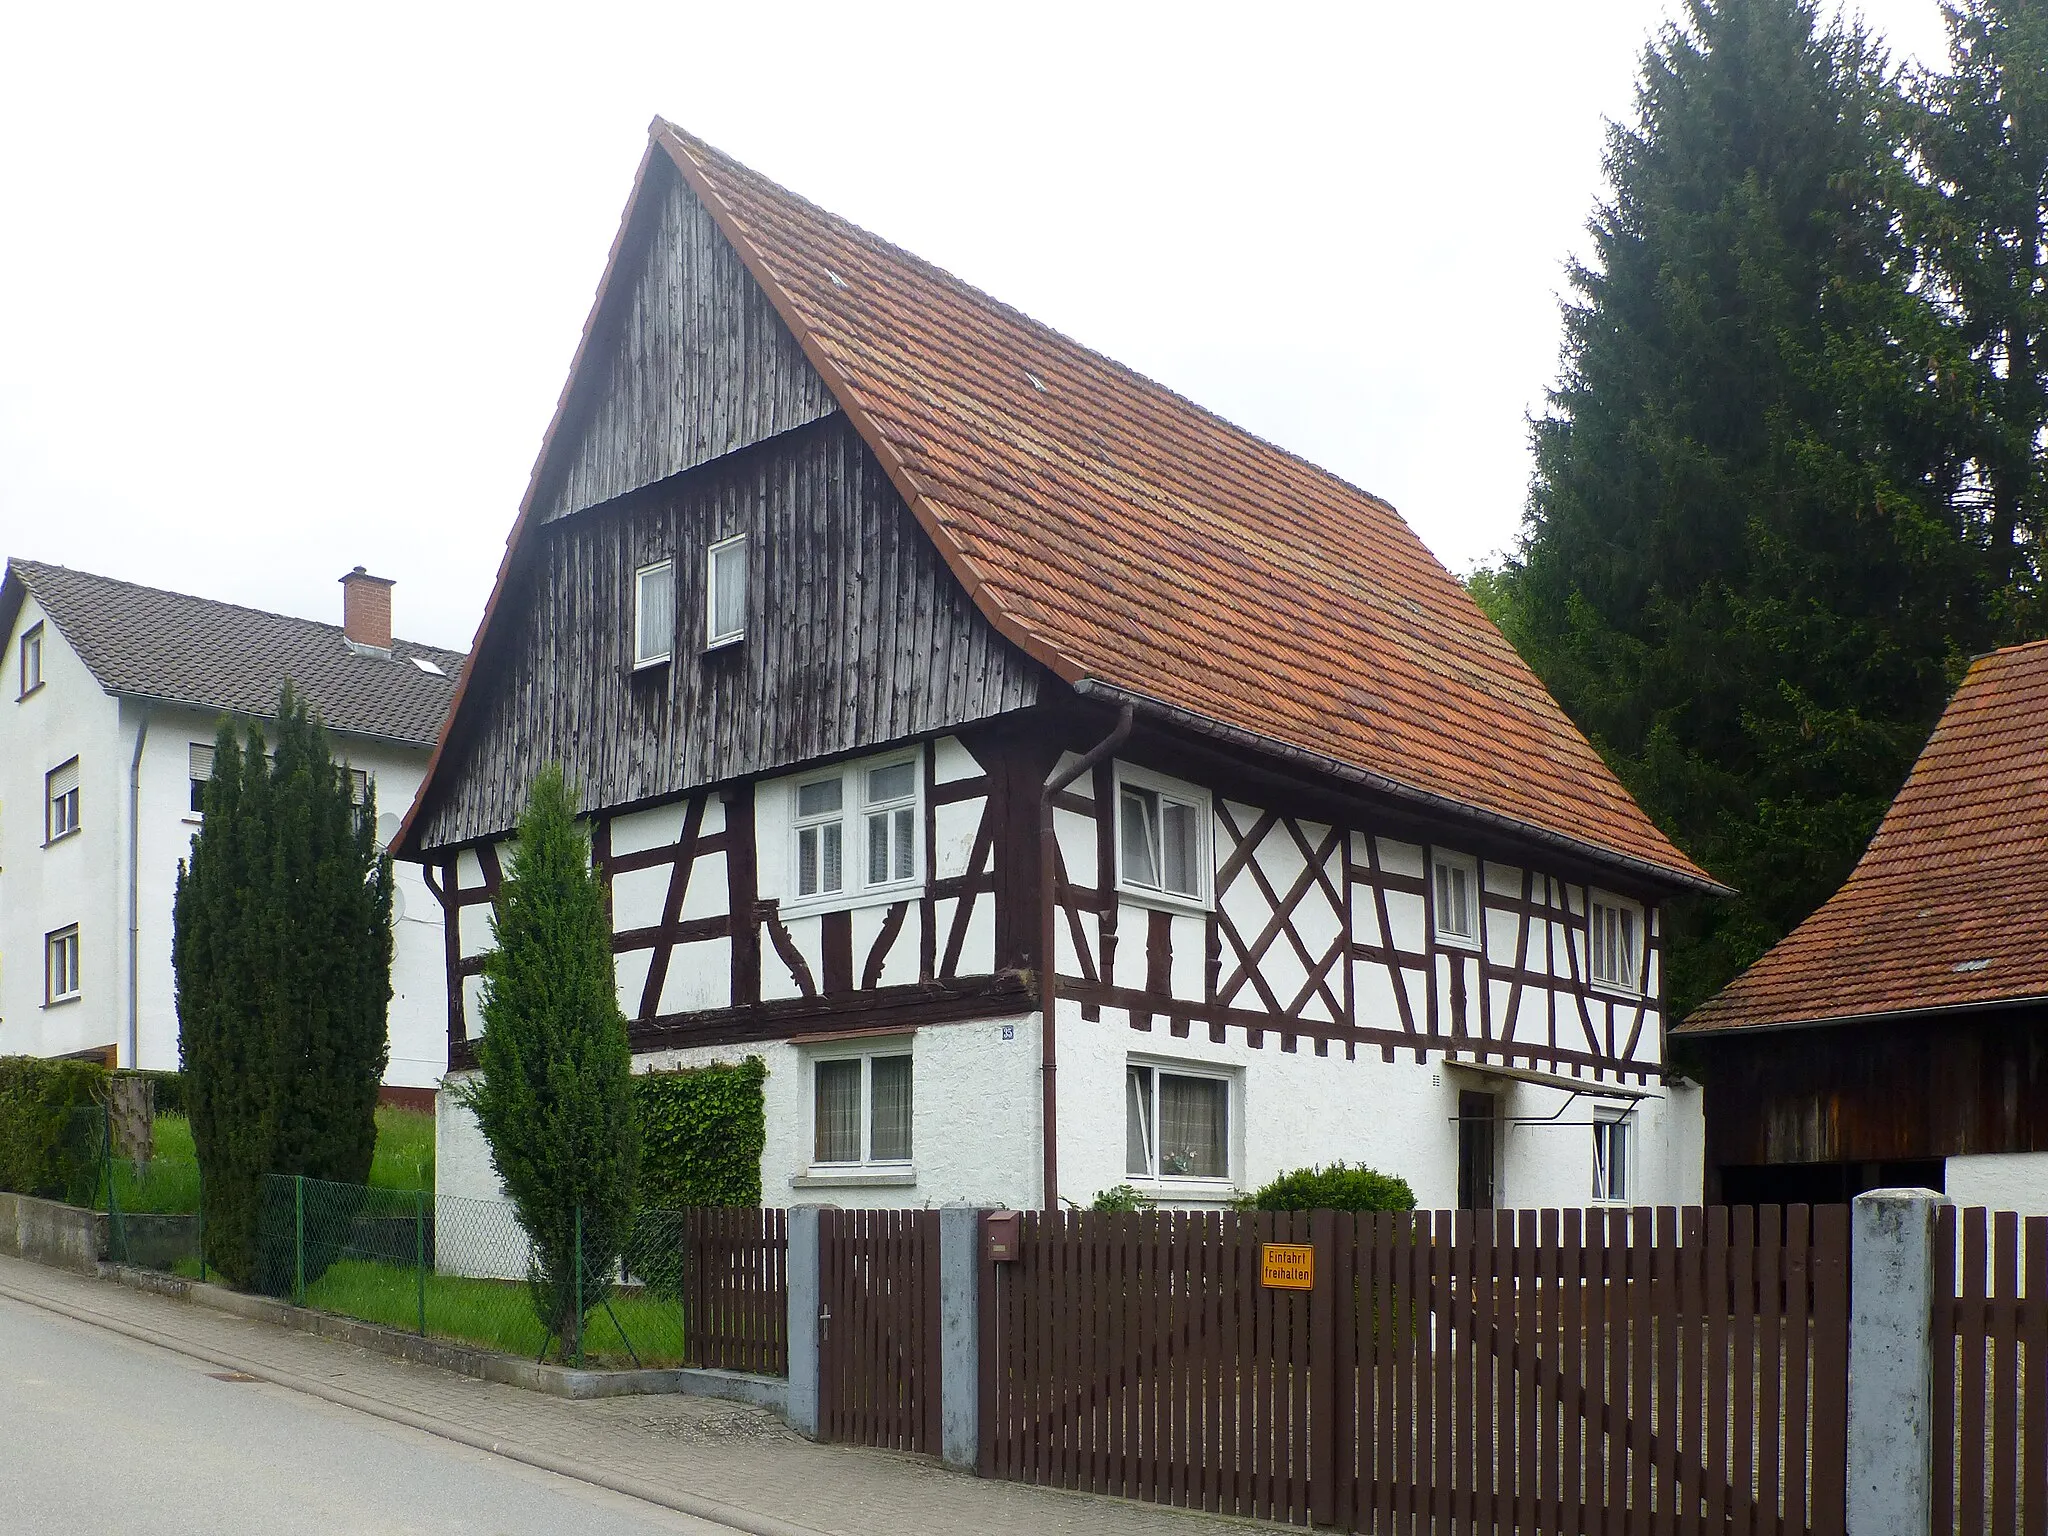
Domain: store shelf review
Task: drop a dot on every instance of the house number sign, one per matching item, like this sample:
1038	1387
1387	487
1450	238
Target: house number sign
1288	1266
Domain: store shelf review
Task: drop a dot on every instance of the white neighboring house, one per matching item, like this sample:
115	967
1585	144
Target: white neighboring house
829	561
112	696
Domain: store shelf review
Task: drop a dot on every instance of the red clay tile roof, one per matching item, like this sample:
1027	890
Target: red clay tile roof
1118	532
1127	538
1948	907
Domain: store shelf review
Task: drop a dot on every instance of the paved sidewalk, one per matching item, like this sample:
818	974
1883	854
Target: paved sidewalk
698	1451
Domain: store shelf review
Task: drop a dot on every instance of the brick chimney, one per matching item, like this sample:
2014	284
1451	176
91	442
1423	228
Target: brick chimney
366	610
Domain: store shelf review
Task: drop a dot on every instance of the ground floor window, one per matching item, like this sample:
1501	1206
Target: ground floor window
60	974
861	1109
1613	1173
1177	1124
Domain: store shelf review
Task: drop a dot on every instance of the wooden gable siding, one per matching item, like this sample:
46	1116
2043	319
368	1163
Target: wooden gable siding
857	636
689	362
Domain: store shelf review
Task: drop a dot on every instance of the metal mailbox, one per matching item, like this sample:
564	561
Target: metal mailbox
1005	1235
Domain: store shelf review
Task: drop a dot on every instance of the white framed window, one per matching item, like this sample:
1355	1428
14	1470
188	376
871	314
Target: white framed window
861	1109
61	819
1176	1122
857	830
1162	838
31	660
1454	903
198	771
725	592
60	965
1613	1168
654	613
1615	938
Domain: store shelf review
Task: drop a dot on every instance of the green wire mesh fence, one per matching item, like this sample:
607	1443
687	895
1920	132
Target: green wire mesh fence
445	1267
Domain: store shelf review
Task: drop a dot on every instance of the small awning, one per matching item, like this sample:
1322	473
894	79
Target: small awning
1591	1087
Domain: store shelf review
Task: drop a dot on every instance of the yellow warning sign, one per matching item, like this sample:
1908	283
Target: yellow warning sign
1288	1266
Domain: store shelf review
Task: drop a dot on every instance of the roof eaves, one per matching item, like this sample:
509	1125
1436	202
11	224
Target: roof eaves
1396	789
1784	1026
410	743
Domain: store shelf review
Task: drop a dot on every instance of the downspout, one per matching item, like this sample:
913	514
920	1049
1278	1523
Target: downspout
134	884
1048	983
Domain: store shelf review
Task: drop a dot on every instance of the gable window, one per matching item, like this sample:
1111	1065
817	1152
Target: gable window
1176	1124
31	659
1616	929
198	770
725	592
857	830
1162	837
60	965
861	1109
1611	1170
62	817
654	613
1455	878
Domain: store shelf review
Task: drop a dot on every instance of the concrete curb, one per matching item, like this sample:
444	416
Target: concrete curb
768	1392
713	1510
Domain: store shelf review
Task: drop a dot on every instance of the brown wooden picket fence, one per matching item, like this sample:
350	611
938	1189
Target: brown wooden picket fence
878	1328
1648	1371
1991	1411
735	1279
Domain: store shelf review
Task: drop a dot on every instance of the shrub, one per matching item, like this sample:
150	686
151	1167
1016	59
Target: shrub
282	949
1339	1187
554	1093
50	1127
701	1135
1120	1197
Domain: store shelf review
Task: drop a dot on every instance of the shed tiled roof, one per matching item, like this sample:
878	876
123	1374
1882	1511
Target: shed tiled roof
1948	907
218	656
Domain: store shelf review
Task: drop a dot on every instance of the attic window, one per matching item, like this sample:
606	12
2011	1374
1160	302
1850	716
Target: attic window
31	660
1037	383
1964	967
427	666
654	613
837	280
725	593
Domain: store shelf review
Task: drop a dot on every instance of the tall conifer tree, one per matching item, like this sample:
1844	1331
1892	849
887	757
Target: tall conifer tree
282	952
554	1094
1740	572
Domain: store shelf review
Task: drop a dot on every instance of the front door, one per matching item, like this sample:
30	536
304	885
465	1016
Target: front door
1476	1125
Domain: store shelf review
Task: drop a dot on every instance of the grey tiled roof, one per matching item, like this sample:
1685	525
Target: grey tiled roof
219	656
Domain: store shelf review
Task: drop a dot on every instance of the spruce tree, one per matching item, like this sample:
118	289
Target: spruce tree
1980	144
553	1095
281	934
1740	570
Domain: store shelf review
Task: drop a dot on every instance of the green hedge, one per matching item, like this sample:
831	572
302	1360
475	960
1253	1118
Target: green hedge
701	1135
1339	1187
50	1126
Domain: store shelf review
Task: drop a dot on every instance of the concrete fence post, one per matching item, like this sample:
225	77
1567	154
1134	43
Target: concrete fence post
1891	1362
960	1336
804	1252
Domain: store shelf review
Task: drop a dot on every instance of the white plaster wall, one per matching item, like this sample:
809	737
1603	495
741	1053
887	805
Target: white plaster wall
418	1013
2004	1181
78	879
475	1232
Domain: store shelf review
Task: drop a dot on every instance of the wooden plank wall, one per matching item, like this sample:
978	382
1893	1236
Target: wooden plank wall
689	361
857	636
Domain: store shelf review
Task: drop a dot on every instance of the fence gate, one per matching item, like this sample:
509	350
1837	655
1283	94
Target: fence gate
878	1328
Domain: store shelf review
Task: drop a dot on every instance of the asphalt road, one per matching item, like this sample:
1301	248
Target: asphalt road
99	1433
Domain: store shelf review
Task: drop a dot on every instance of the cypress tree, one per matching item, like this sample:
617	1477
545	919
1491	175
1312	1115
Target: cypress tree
1741	571
281	935
553	1094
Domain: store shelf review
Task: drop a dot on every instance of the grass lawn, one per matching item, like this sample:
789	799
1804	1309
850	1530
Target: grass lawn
169	1182
495	1314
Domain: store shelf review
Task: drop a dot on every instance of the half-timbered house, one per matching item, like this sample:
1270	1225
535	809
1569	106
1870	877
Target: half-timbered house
1900	1034
914	662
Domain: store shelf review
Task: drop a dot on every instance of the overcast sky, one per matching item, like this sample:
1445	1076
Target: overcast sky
288	289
